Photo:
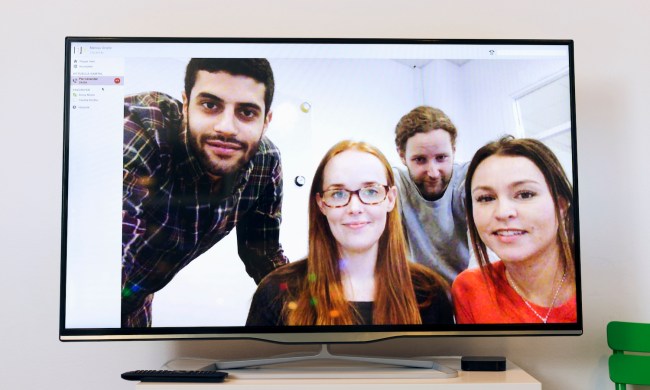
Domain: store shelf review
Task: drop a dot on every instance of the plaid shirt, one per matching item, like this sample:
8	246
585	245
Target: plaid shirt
169	214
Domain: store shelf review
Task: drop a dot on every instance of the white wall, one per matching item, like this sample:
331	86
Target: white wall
613	90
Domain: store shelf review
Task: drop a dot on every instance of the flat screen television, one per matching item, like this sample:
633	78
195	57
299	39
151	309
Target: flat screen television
126	220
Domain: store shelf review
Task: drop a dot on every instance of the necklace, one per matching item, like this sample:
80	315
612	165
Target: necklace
557	292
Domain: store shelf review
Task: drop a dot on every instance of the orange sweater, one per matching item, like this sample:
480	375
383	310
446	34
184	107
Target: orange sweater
476	303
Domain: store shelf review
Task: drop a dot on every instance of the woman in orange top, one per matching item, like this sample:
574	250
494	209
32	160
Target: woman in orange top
518	206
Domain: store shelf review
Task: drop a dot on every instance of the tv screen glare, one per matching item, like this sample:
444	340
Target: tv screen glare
180	265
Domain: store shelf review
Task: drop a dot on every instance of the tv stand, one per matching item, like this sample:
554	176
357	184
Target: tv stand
326	354
308	376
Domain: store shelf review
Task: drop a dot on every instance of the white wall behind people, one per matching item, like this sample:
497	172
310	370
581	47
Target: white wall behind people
613	90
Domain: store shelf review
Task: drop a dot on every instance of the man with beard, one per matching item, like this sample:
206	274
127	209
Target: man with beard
431	191
195	170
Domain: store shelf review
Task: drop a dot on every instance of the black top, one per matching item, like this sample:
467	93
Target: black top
273	291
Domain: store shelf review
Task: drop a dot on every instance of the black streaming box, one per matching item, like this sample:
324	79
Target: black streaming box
483	363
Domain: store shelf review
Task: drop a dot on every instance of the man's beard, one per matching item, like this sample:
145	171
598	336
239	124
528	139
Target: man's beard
430	192
216	165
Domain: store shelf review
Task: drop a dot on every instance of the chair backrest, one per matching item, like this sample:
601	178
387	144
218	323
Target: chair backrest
628	368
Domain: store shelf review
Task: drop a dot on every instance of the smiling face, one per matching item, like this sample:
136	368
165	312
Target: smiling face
226	120
429	158
513	209
356	227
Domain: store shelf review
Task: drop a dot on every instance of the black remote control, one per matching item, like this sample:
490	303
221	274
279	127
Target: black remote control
175	376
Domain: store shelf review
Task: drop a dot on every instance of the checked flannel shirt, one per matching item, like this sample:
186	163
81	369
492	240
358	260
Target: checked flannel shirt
170	216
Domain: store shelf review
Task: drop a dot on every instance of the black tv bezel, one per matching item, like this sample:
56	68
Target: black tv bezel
316	334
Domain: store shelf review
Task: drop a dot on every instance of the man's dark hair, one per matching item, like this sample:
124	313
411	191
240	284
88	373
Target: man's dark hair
258	69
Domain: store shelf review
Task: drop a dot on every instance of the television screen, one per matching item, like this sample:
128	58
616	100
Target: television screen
318	190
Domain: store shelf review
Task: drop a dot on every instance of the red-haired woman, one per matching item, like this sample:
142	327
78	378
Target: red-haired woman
356	271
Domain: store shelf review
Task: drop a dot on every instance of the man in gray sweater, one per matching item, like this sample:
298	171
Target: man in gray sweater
431	191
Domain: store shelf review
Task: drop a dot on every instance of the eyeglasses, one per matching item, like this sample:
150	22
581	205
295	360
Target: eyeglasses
369	195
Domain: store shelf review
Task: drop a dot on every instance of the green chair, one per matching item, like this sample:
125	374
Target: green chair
624	368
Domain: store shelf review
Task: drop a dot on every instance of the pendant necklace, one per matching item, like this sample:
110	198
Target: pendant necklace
557	292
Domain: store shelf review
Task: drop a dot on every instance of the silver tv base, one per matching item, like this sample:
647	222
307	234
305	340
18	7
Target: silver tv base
325	355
